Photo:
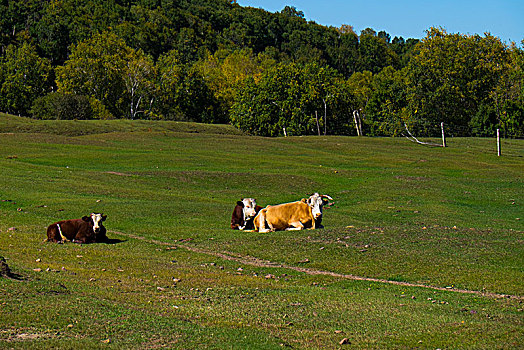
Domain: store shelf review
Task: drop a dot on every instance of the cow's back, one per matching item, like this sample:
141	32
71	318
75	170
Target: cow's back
74	229
73	225
279	216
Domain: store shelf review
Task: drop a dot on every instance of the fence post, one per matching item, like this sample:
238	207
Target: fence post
443	135
498	142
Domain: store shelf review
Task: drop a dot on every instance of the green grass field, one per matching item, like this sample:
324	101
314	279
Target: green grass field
442	229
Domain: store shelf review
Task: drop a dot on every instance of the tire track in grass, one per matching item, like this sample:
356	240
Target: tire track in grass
253	261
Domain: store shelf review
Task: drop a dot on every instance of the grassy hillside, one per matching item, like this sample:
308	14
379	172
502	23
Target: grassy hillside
10	124
447	219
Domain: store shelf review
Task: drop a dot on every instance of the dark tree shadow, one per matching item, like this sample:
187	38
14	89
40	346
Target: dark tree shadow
15	276
5	271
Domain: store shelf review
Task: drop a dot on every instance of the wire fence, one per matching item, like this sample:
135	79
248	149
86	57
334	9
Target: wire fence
418	130
440	135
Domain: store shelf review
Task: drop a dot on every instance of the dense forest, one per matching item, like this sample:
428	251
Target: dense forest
269	74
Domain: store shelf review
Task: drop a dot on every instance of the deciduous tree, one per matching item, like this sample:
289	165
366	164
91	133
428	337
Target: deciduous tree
24	76
302	99
105	68
451	76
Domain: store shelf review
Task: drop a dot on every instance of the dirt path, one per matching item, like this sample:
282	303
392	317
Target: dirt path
252	261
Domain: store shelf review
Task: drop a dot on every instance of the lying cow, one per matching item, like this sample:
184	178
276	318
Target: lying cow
88	229
306	213
243	214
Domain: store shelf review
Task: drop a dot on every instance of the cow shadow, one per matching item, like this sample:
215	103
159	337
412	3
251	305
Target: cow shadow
113	241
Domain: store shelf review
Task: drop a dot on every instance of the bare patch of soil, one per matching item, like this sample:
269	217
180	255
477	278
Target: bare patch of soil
24	334
117	173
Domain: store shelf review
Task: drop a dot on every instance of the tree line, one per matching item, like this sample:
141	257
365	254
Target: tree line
269	74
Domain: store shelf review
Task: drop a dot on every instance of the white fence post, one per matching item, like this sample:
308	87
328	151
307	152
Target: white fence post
498	143
443	135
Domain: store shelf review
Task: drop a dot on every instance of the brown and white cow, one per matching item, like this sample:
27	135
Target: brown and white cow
316	202
88	229
306	213
243	214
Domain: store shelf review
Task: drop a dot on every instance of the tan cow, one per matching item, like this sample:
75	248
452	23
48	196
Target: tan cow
290	216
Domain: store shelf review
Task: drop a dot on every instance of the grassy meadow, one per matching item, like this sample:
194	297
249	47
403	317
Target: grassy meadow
447	223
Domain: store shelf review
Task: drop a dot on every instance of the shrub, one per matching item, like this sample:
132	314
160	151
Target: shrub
99	110
62	106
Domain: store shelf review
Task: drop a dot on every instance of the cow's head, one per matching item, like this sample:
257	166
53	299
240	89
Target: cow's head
316	202
248	207
95	220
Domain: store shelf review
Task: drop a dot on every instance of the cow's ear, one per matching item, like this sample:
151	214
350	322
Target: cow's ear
86	218
240	203
304	200
104	218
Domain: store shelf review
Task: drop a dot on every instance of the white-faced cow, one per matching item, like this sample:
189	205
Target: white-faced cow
316	202
88	229
306	213
243	214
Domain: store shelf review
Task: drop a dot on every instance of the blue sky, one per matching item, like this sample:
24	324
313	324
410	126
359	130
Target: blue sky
410	18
